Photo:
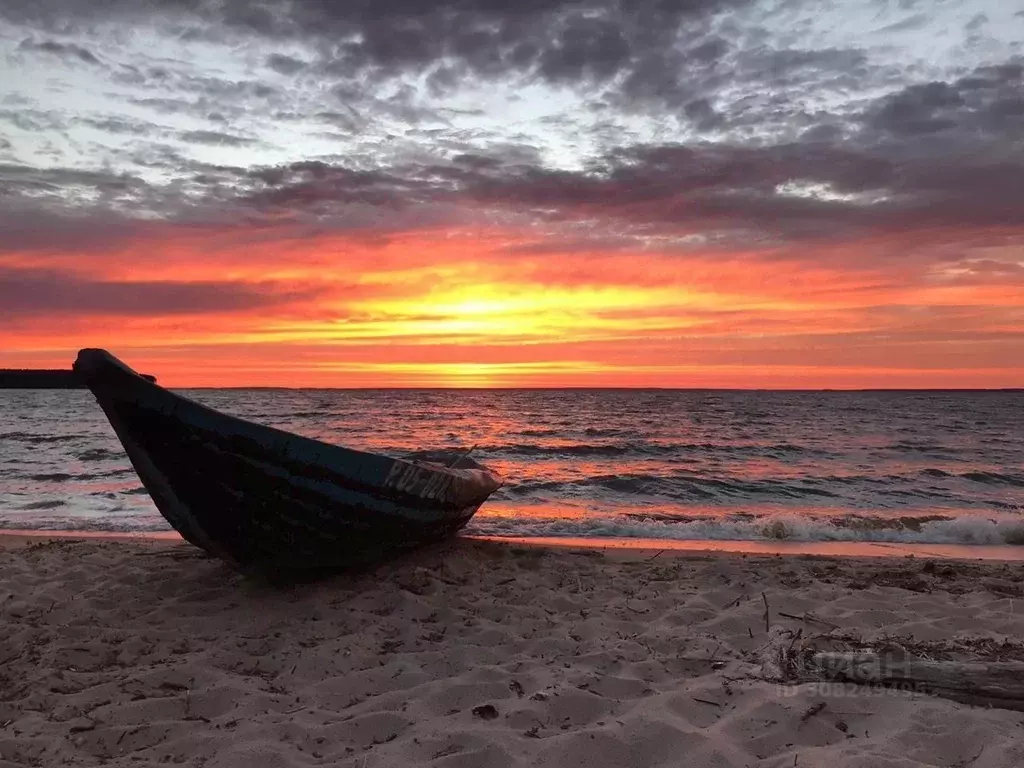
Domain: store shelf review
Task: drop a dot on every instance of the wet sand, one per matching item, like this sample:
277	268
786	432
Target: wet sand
127	652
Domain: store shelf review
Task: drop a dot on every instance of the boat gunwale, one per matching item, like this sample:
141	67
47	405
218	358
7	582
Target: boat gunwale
193	413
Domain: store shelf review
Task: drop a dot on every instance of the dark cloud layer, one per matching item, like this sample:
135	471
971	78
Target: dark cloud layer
883	177
25	292
67	50
660	47
988	103
938	154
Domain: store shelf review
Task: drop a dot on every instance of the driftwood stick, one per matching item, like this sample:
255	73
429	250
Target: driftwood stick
707	701
808	617
992	684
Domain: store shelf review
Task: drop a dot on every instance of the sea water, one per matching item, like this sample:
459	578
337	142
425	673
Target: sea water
927	466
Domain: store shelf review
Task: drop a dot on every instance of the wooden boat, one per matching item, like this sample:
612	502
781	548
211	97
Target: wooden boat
270	501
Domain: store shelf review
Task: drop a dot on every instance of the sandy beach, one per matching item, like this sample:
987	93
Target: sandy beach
144	652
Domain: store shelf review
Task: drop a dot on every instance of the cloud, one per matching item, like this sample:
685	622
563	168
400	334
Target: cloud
121	125
66	50
789	191
34	120
67	184
754	156
32	228
216	138
31	292
989	100
558	41
285	65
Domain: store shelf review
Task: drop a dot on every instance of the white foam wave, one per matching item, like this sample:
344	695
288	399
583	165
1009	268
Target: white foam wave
962	530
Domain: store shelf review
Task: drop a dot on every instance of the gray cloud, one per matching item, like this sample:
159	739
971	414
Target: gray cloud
121	125
559	41
985	105
873	174
20	180
927	155
34	120
28	292
285	65
65	50
215	138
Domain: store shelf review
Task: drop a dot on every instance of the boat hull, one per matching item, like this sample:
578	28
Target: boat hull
265	500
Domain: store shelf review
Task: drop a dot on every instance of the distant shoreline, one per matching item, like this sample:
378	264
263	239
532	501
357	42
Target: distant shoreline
710	390
58	378
44	378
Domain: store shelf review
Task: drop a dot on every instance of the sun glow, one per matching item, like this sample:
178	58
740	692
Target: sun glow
479	309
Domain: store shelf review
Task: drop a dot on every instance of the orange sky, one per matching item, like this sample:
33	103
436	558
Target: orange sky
499	307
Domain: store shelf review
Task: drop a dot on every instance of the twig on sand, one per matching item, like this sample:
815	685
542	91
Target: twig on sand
797	636
708	701
767	615
660	551
808	617
735	602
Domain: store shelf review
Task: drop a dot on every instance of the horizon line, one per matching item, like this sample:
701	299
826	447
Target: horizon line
603	389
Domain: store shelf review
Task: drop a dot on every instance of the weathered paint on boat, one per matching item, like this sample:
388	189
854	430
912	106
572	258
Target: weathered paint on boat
270	501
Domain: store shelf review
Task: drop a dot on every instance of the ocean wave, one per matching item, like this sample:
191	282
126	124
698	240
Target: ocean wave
51	477
771	450
603	432
50	504
968	530
99	454
34	439
63	477
688	485
680	487
994	478
67	523
923	446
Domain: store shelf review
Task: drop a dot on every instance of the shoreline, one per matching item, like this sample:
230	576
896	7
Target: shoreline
630	546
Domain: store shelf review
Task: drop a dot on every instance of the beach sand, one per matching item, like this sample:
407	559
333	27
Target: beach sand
136	652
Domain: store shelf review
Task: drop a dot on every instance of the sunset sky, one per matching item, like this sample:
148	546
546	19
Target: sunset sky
675	193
